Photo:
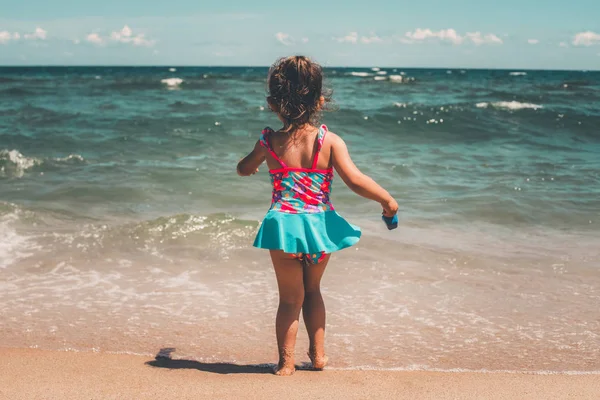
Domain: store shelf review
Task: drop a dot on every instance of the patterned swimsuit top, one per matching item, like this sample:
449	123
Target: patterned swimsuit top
300	190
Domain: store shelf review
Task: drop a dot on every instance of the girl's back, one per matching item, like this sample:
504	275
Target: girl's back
298	150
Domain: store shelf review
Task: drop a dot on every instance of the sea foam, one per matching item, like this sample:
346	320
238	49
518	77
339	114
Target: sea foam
509	105
13	164
13	246
172	82
360	74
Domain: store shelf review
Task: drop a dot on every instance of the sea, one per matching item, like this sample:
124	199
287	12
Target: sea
124	227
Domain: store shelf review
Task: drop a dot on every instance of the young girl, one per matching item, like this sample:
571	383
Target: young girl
301	229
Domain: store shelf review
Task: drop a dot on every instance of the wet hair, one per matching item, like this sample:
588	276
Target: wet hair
295	86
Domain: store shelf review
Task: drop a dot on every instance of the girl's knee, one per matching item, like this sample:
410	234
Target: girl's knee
292	300
311	290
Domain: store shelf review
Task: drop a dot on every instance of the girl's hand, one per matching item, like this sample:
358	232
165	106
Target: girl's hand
390	207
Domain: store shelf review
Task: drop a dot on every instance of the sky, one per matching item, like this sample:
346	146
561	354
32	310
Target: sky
510	34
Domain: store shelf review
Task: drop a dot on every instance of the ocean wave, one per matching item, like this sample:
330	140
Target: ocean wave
214	235
172	82
13	246
360	74
156	83
401	79
13	164
16	92
518	73
509	105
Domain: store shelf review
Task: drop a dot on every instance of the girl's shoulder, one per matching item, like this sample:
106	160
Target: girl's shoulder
331	139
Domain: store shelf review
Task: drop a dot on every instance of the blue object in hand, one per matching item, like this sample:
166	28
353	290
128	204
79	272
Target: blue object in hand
391	222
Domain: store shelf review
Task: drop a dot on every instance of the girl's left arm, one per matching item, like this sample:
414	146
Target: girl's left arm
249	164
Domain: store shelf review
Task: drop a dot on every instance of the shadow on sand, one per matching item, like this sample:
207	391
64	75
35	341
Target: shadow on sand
163	360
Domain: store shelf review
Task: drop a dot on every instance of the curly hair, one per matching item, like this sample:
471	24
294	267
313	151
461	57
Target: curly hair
295	86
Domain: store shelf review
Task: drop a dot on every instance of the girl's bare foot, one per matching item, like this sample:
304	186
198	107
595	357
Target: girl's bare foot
284	369
286	366
318	361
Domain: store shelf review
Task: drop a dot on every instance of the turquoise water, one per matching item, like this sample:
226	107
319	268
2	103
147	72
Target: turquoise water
119	200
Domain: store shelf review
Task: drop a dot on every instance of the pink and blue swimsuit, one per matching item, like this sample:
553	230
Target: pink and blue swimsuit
302	220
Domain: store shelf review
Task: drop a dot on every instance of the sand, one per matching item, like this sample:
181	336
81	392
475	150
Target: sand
37	374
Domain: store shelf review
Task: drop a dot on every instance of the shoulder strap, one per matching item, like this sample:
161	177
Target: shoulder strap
266	143
319	144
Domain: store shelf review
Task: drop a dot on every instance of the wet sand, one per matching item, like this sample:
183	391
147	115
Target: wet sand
37	374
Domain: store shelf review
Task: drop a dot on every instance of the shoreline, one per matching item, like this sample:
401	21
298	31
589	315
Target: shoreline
305	365
35	374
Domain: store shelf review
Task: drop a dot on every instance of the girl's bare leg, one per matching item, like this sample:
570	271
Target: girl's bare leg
313	311
291	296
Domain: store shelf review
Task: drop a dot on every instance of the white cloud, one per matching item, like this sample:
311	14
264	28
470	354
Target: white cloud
420	35
94	38
479	39
448	35
304	40
588	38
371	39
352	37
563	44
140	40
6	36
38	34
125	35
283	38
533	41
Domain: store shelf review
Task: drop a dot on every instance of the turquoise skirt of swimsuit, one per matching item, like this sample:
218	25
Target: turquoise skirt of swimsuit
308	233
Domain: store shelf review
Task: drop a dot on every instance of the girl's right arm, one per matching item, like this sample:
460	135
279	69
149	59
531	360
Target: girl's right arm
358	182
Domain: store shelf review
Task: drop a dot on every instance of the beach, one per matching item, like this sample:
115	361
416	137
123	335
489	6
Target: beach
35	374
125	230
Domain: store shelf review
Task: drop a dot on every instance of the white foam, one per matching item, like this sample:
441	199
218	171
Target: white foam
400	105
13	163
381	72
13	246
509	105
380	78
360	74
518	73
172	69
172	82
397	78
375	69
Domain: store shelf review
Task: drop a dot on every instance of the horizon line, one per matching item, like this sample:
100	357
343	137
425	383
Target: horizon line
268	66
